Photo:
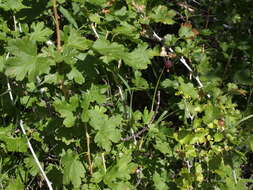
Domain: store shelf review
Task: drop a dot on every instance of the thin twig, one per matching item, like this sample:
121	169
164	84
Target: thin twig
8	83
182	60
49	184
88	151
234	176
15	23
157	37
57	24
9	90
94	30
135	141
103	160
156	88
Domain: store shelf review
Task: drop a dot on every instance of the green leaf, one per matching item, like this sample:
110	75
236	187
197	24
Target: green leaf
22	46
243	76
185	137
66	109
163	15
218	137
40	33
185	31
139	81
106	127
138	58
73	169
95	18
188	89
16	144
211	113
76	75
147	115
170	83
75	40
199	172
159	182
95	94
15	184
120	171
68	16
31	165
127	30
113	50
163	147
26	61
2	63
13	144
15	5
97	2
249	142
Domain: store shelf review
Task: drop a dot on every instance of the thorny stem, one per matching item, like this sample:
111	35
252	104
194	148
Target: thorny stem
57	24
88	151
156	87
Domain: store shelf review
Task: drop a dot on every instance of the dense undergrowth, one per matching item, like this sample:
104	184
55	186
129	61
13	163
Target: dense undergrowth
126	94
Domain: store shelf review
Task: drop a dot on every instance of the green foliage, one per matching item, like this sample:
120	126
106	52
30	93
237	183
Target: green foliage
40	33
106	127
114	106
25	60
73	170
66	109
162	14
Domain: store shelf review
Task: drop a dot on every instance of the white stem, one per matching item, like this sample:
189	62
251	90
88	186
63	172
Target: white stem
234	175
8	84
94	30
135	141
9	90
171	50
199	82
49	184
103	160
182	60
157	37
15	23
185	64
19	27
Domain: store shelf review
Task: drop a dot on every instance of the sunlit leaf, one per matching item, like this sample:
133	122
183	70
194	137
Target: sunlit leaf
139	58
40	32
163	15
66	109
26	62
107	131
73	169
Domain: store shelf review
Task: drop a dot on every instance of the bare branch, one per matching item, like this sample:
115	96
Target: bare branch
57	24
